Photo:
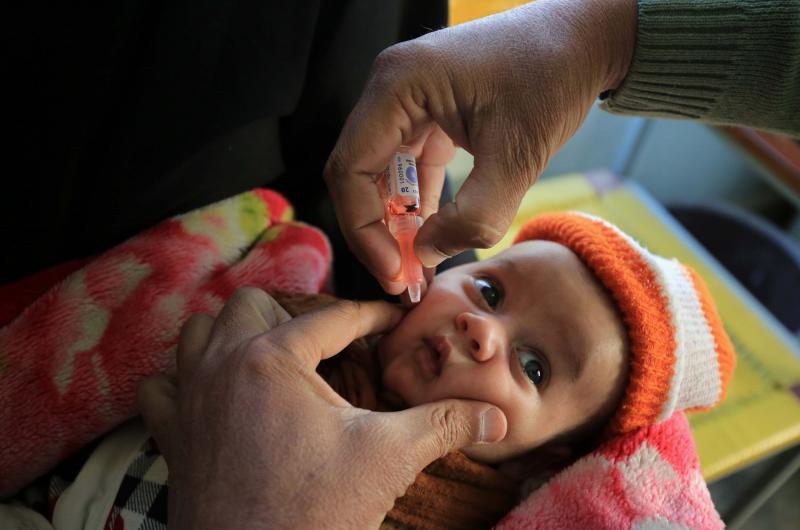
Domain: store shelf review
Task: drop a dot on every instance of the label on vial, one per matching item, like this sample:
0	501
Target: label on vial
403	176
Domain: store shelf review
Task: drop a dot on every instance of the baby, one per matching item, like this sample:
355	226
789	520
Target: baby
574	330
576	333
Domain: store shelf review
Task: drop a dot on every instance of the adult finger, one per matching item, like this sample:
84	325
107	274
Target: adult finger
437	151
192	342
383	262
327	331
384	118
249	312
429	274
360	211
483	210
437	428
431	181
156	398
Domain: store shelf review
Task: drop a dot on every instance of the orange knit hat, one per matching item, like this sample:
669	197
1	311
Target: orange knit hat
680	356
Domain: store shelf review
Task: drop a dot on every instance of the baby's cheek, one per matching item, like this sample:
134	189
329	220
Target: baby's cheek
359	390
396	379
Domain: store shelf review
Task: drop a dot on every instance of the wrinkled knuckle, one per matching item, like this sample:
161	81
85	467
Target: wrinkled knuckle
403	62
348	310
443	419
267	344
394	58
261	356
485	235
528	154
247	295
348	307
525	141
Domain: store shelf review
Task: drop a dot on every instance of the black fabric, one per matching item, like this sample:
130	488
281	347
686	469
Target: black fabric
124	113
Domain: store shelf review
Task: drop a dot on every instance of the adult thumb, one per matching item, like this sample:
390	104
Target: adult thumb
157	401
437	428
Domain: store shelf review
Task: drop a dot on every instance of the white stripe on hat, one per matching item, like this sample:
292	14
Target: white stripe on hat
696	377
695	380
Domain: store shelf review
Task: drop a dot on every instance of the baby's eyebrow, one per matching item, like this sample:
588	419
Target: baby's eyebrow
572	349
510	266
575	357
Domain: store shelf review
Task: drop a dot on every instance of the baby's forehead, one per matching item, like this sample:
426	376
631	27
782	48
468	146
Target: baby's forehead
529	260
546	266
535	252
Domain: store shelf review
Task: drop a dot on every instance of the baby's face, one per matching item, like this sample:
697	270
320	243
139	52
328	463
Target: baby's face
530	331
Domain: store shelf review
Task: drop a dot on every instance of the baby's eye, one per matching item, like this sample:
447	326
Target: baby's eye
534	367
489	290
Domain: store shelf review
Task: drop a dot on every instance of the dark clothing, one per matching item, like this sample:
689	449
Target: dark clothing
127	112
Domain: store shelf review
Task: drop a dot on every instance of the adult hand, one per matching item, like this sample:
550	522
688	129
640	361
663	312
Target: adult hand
254	438
510	89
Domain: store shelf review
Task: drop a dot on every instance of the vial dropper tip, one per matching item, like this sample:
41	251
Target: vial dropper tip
414	292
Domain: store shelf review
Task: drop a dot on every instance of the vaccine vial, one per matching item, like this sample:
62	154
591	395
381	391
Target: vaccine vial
403	216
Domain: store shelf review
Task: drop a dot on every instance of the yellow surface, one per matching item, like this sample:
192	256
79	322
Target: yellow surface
760	415
466	10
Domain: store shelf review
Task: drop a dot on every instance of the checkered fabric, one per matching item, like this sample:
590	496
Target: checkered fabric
141	502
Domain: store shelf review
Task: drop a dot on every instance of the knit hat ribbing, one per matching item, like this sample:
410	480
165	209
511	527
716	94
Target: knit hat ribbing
680	356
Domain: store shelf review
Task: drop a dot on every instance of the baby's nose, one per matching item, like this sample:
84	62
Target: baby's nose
482	335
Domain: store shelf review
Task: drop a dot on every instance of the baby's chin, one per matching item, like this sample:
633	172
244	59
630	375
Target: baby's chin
486	454
496	453
399	397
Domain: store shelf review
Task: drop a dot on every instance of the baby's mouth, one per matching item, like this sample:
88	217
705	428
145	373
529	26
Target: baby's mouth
440	348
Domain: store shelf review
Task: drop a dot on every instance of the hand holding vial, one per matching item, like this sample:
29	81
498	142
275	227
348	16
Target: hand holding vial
510	89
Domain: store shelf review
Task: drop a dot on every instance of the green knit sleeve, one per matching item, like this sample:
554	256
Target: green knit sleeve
716	61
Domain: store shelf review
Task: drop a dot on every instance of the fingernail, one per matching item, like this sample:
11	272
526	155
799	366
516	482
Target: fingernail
493	426
394	288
